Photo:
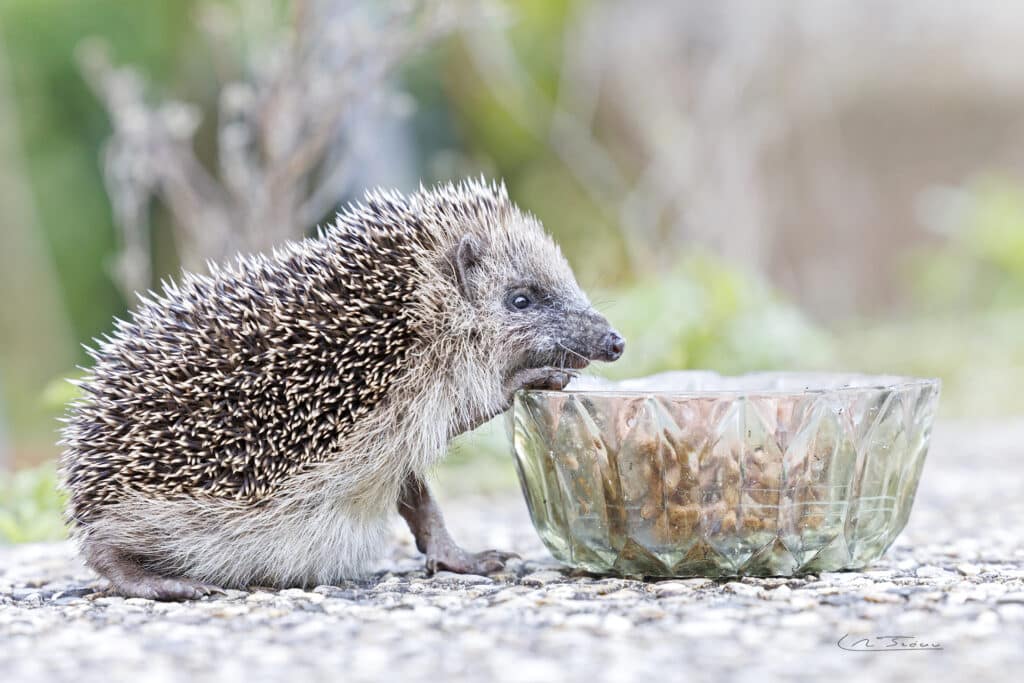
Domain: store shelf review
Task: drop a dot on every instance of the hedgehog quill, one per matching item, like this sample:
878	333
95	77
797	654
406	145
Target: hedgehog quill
260	424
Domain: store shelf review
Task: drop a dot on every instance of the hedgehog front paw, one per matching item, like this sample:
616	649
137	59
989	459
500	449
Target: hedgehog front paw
549	379
455	559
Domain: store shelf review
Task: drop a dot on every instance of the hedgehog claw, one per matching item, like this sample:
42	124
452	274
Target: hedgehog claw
162	588
549	379
460	561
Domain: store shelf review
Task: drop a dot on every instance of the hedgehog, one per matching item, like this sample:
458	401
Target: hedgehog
260	424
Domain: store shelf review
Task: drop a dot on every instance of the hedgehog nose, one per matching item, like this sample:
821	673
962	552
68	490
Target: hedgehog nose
614	345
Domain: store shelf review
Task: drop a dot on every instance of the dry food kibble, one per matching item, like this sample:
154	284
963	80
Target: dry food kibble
683	519
677	484
687	477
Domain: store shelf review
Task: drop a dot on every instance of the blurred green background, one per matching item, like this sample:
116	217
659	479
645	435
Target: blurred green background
806	188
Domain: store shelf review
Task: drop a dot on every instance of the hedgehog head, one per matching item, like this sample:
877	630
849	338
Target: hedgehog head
523	294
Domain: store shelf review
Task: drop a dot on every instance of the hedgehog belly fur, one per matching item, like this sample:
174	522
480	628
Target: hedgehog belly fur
284	544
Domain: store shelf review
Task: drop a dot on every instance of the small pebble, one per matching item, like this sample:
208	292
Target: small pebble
32	600
615	623
542	578
932	572
666	588
744	589
461	579
299	594
968	569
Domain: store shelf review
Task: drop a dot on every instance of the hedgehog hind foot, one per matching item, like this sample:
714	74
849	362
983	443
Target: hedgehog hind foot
129	579
155	587
453	558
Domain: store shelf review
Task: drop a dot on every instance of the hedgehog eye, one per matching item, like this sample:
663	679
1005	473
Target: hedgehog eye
520	301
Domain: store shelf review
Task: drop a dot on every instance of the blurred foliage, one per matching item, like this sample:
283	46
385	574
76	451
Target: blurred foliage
63	127
968	322
61	130
978	356
510	138
30	506
705	314
60	392
981	265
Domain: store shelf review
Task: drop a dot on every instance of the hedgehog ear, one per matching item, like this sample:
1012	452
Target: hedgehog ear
465	258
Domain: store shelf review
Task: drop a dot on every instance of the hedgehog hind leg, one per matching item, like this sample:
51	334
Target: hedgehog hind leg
128	578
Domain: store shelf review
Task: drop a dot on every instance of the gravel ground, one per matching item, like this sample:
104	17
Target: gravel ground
955	578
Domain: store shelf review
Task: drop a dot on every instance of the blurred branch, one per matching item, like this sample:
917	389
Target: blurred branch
767	132
694	113
570	137
286	133
150	153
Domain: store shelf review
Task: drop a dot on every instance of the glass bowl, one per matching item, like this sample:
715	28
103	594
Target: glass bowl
696	474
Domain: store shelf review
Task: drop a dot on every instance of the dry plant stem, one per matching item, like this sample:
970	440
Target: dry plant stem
286	134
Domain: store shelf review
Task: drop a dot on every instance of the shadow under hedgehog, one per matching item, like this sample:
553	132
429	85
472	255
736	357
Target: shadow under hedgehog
258	425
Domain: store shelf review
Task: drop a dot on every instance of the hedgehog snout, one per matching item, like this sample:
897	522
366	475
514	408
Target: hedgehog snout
591	336
612	346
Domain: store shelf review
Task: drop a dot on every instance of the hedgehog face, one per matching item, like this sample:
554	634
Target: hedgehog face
556	328
536	314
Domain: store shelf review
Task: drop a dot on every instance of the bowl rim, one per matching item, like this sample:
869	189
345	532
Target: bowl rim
886	383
